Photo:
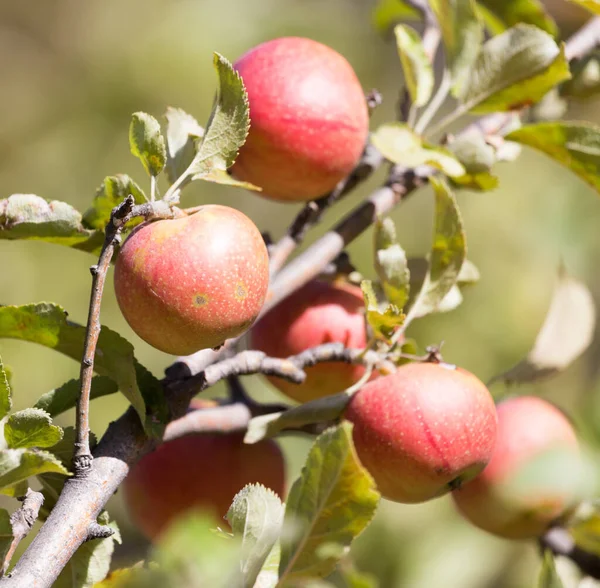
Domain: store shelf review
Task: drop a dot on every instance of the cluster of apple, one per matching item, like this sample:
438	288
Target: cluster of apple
191	283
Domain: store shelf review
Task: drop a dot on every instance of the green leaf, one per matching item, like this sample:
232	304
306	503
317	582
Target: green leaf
483	182
112	191
6	534
448	253
514	69
399	144
330	504
17	465
585	81
549	577
31	427
349	577
591	5
320	410
472	150
65	397
5	394
27	216
255	516
183	131
462	33
500	15
389	12
390	263
227	127
418	71
566	333
585	530
383	320
47	324
147	142
575	145
90	564
269	574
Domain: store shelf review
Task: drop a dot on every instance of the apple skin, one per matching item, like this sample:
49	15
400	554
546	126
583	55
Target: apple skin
319	312
528	428
423	430
190	283
198	472
309	119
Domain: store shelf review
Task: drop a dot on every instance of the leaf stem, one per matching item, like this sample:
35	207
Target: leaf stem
435	103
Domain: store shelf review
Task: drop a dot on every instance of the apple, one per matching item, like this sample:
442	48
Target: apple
203	471
319	312
529	481
308	119
423	430
190	283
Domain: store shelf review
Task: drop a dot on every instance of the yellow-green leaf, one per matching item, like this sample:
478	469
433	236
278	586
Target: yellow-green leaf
500	15
147	142
418	71
384	319
389	12
390	263
5	394
591	5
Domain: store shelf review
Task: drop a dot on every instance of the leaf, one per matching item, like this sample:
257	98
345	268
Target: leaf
567	332
548	577
500	15
586	531
448	253
472	150
255	516
47	324
462	33
112	191
147	142
17	465
585	81
390	263
418	71
483	182
27	216
227	127
65	397
591	5
331	503
575	145
399	144
5	394
320	410
269	574
389	12
183	131
31	427
6	534
383	320
90	564
514	69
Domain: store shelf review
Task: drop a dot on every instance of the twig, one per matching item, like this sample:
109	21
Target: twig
584	40
121	214
431	34
21	522
560	542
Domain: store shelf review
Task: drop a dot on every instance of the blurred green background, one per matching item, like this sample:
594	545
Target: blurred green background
73	72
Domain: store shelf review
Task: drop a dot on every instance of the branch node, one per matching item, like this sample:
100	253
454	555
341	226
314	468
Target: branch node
98	531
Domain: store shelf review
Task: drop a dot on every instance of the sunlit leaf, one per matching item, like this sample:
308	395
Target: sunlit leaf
382	319
255	516
447	256
462	33
27	216
17	465
514	69
575	145
31	427
330	504
418	71
147	142
591	5
500	15
388	12
399	144
567	332
47	324
585	530
183	131
5	394
548	577
112	191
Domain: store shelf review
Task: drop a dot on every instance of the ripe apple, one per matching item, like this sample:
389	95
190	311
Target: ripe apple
203	471
423	430
308	119
524	487
319	312
190	283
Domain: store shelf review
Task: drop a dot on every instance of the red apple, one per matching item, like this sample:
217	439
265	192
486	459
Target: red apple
190	283
423	430
198	472
522	490
319	312
309	119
